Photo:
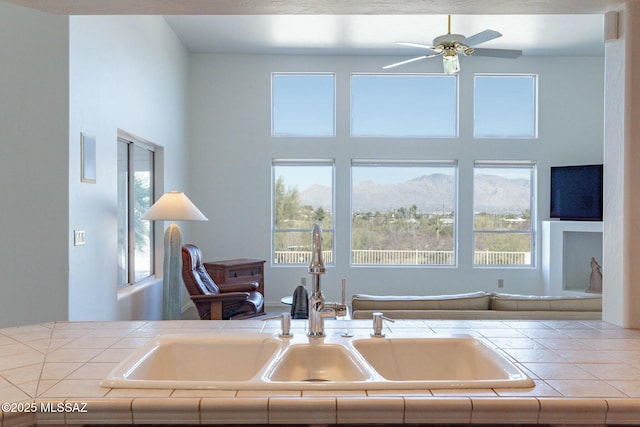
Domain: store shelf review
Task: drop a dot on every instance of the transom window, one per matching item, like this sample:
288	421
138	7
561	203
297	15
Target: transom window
503	197
404	105
403	213
303	194
505	106
303	104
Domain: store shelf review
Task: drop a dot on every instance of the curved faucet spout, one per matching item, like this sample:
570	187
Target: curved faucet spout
317	265
317	308
316	299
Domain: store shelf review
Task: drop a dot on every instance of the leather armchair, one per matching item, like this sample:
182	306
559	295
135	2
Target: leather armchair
217	302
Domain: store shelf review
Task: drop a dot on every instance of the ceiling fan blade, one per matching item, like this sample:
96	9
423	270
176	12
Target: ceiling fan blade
481	37
497	53
421	46
407	61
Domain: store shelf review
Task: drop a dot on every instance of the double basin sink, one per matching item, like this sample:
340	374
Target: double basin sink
269	362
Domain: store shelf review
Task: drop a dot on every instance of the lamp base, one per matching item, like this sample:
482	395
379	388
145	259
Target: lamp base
172	274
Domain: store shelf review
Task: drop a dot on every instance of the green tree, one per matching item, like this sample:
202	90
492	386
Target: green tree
413	211
319	215
142	203
287	202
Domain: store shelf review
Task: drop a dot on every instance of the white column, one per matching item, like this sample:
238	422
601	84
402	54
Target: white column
621	244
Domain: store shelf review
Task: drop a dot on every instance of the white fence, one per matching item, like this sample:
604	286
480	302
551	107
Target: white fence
300	257
502	258
407	257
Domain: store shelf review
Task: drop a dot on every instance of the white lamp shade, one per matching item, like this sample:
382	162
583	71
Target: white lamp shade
174	206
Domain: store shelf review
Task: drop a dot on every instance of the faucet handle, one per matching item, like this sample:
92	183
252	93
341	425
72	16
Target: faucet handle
285	324
338	309
378	317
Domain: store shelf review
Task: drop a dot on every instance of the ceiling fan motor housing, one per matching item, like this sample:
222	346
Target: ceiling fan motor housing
449	38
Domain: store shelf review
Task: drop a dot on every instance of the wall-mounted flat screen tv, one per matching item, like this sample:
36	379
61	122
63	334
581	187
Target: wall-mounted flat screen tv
576	192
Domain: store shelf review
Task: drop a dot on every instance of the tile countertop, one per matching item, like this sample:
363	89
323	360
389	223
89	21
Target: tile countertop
586	372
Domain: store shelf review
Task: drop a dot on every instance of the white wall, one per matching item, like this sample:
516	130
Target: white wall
129	73
132	73
232	151
34	118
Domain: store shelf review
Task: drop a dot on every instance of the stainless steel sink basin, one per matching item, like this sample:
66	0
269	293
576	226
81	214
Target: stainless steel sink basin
268	362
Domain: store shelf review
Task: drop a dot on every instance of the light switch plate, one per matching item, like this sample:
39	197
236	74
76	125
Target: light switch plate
78	238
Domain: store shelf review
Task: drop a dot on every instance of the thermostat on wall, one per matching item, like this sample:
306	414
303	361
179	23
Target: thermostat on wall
78	238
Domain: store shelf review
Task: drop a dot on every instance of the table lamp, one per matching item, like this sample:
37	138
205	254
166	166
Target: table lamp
173	206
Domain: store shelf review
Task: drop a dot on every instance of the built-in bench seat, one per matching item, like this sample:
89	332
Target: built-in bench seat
479	305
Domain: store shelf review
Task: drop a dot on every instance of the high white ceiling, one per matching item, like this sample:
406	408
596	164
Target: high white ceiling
579	35
367	27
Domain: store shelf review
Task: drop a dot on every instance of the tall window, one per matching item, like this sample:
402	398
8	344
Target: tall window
403	213
503	201
505	106
135	196
302	195
302	104
404	105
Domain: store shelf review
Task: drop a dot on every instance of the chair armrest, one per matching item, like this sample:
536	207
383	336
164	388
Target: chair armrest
226	296
238	287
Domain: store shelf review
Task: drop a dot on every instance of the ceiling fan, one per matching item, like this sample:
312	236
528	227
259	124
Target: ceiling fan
450	45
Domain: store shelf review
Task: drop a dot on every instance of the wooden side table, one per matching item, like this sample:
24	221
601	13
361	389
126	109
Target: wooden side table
237	270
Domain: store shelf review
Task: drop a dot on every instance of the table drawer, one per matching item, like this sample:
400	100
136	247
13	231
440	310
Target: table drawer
237	270
245	272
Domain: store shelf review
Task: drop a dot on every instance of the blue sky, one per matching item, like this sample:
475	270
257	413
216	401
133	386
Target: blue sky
403	105
301	176
303	104
394	175
322	175
504	106
399	105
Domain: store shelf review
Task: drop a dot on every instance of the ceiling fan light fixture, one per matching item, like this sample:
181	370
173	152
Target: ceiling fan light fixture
451	64
450	46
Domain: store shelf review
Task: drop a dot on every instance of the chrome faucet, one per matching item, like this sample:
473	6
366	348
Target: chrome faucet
318	309
316	299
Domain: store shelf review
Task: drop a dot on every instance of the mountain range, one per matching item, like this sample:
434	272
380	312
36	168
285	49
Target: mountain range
430	193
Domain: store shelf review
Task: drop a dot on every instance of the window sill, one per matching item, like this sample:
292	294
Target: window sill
127	291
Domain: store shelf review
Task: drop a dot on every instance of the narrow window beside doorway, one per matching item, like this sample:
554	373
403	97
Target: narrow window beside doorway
135	196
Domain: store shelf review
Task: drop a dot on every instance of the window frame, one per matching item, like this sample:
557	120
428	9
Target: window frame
133	142
329	261
532	232
408	163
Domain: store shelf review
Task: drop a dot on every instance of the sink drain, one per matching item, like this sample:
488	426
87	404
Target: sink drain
315	380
